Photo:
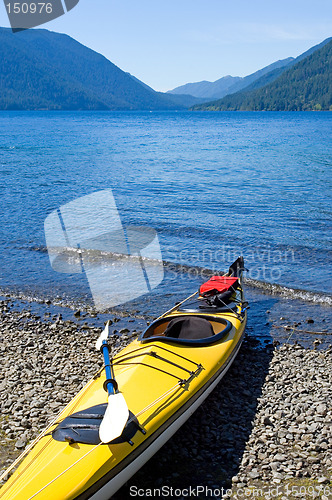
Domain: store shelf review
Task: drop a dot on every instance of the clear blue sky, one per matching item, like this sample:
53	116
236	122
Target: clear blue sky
169	43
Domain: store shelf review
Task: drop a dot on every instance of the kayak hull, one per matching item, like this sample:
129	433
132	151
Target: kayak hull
163	380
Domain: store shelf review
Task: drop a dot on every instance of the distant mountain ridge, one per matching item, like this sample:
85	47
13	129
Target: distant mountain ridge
206	89
43	70
182	100
40	69
305	85
227	84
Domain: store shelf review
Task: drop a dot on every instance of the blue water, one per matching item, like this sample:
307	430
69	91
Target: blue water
213	185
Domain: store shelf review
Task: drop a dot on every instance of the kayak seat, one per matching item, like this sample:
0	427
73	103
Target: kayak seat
187	329
83	427
190	327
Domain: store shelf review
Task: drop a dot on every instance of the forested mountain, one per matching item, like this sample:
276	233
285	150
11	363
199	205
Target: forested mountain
305	86
40	69
229	84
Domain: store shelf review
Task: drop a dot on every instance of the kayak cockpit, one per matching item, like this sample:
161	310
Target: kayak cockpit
188	329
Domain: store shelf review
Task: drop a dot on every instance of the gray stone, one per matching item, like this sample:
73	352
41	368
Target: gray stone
20	444
254	474
323	480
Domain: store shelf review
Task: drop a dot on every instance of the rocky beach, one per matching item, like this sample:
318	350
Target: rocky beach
265	432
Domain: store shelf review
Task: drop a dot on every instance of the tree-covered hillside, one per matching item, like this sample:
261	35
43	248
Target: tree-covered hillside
305	86
40	69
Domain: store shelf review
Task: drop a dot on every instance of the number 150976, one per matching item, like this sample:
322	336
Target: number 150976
29	8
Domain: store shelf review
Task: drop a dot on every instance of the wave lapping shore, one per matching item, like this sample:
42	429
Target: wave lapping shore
268	421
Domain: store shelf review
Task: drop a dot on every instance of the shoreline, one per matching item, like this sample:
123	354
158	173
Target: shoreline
265	424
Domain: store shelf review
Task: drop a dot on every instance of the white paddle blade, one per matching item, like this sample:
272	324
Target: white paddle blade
115	418
103	336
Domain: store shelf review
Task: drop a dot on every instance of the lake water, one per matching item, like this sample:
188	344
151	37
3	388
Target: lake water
213	186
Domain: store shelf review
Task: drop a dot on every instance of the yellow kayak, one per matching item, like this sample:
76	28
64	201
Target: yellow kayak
164	376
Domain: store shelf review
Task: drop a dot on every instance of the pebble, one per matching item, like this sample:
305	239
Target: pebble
20	444
322	480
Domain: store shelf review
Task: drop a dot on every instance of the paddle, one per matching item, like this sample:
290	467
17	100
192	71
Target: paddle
117	412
